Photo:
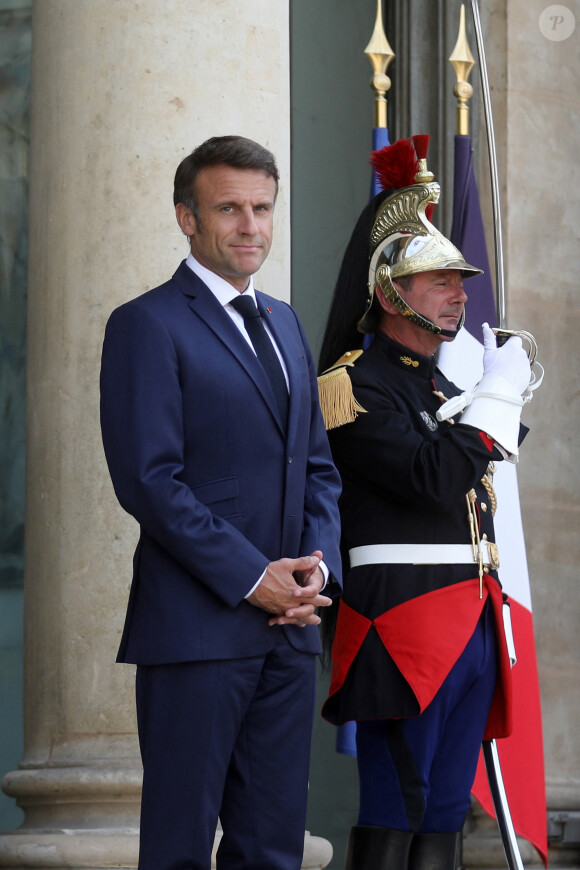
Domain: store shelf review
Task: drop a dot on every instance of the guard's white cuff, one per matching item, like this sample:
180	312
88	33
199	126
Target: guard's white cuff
495	409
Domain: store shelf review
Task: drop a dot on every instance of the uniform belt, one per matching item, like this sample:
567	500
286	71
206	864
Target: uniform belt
423	554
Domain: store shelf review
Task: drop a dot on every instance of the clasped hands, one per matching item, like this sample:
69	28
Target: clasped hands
290	590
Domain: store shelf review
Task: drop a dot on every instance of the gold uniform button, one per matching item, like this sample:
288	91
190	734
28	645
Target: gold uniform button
483	506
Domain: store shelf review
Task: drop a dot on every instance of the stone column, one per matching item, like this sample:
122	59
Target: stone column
120	93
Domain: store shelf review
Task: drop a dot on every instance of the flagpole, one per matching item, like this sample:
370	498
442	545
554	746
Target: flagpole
380	54
462	62
497	230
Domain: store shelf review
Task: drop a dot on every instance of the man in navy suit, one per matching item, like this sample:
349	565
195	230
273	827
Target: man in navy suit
216	446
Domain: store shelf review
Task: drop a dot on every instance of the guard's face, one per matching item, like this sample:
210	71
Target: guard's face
234	232
439	296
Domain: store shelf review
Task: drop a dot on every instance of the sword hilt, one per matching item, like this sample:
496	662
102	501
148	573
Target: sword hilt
530	346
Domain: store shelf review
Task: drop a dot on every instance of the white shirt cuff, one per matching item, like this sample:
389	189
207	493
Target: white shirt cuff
257	583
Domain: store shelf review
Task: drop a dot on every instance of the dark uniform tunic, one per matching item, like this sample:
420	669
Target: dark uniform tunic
402	627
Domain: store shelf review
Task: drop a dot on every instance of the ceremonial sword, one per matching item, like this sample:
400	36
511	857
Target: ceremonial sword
490	751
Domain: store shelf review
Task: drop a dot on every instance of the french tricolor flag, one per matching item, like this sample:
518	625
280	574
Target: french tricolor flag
521	754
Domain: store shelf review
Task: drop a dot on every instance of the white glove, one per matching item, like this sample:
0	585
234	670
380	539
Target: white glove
494	406
509	361
496	402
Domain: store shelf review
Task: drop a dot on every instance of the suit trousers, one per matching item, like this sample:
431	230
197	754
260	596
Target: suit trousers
416	774
228	738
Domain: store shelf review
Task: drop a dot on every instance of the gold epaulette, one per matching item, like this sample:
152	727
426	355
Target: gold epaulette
337	400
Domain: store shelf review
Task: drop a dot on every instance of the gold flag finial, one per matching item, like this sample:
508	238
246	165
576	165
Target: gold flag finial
463	62
380	54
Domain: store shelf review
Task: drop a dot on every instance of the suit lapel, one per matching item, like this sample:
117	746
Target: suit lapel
204	304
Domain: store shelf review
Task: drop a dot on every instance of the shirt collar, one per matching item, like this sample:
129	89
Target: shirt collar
221	289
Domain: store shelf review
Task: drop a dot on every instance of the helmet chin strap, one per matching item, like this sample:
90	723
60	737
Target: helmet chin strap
451	333
428	325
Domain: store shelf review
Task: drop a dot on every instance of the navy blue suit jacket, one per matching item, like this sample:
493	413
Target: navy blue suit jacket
197	455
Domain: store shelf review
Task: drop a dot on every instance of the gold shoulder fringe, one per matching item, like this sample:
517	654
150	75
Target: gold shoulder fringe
337	400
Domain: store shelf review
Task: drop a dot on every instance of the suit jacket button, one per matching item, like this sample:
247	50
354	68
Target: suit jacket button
290	458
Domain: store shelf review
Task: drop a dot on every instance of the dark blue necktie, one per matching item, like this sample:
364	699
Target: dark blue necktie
265	352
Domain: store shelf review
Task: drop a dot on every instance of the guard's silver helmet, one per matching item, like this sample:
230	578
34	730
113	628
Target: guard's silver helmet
405	242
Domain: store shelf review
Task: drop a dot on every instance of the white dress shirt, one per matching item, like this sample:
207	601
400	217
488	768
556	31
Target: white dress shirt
224	292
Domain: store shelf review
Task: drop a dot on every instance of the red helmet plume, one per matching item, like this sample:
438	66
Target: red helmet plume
396	165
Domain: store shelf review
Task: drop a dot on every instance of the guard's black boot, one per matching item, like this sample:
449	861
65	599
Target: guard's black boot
375	848
437	851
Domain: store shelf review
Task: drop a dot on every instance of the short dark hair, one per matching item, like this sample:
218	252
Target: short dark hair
236	151
406	281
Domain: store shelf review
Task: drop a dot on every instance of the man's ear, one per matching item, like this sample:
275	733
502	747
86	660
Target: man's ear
185	219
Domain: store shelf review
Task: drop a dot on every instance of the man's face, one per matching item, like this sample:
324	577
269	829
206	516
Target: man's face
437	295
234	233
